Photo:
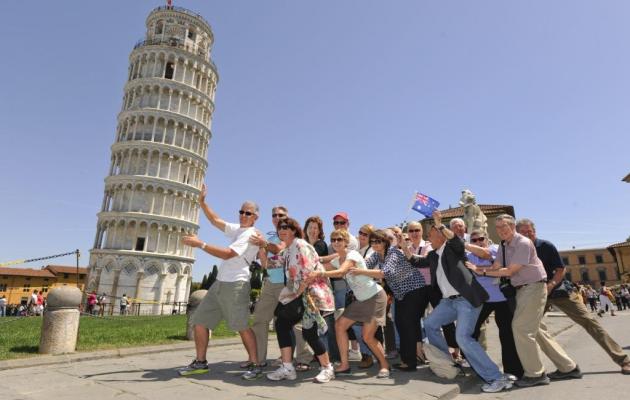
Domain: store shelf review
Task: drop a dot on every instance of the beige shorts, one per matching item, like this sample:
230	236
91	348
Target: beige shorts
224	300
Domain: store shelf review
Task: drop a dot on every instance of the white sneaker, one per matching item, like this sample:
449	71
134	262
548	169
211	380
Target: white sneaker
497	386
282	373
326	374
354	355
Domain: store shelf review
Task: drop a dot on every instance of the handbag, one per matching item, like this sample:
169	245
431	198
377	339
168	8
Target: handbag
349	298
505	285
293	310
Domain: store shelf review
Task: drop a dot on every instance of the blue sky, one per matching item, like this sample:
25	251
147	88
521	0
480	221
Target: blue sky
333	105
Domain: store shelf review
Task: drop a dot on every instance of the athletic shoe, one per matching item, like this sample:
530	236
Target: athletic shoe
326	374
575	373
510	377
528	381
194	368
252	373
282	373
354	355
496	386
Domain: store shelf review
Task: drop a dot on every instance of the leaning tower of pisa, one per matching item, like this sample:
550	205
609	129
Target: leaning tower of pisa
158	163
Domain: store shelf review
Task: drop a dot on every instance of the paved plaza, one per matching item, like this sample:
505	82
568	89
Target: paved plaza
104	375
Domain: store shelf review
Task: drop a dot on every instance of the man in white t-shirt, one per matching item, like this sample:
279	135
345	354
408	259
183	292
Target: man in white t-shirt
228	297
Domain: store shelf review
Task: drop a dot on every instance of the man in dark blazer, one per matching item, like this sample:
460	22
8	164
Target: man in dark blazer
462	297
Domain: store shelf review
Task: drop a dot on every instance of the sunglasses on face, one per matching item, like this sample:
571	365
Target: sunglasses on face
278	216
414	230
335	240
363	234
376	241
284	227
339	222
246	213
477	239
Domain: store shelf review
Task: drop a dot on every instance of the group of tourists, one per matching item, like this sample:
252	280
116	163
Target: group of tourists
371	294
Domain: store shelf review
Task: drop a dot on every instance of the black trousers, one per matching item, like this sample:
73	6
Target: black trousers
409	310
503	318
284	328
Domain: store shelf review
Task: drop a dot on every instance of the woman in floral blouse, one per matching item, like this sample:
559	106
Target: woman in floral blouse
300	260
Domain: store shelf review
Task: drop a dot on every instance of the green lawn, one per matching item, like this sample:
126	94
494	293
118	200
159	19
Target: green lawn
19	337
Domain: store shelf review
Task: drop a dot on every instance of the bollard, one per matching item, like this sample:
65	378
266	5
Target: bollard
60	326
193	303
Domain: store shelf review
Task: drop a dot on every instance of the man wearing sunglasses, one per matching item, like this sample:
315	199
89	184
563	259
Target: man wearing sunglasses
228	297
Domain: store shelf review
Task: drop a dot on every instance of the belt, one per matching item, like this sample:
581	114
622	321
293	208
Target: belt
521	286
455	296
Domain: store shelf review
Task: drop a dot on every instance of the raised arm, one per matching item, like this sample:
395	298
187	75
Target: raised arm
481	252
212	216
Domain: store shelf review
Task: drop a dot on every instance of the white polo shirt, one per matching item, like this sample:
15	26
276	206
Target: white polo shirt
237	268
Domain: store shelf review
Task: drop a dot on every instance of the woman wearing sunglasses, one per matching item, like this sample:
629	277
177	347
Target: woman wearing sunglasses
300	260
406	283
482	255
368	308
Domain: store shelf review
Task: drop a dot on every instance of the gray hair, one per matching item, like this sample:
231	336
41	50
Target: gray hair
454	221
507	218
253	204
280	207
525	221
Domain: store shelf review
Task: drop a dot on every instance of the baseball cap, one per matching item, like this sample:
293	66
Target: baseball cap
342	214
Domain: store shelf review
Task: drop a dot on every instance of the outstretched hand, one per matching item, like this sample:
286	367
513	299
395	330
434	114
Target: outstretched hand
471	267
204	192
192	241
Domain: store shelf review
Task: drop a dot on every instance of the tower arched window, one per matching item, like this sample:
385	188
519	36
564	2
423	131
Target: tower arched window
159	28
170	70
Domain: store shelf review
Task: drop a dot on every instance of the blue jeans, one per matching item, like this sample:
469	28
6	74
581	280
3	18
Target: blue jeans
340	288
460	310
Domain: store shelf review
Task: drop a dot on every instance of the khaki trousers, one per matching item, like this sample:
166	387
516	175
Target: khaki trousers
530	334
263	314
575	309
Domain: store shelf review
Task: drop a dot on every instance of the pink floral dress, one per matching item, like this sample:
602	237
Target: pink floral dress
300	259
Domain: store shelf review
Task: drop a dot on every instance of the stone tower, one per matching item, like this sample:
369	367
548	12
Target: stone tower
158	164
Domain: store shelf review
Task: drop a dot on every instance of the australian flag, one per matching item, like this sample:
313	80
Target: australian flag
424	204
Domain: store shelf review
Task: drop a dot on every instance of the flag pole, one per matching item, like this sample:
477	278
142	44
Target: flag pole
413	200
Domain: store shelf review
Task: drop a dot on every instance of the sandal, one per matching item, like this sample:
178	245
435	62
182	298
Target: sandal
247	364
302	367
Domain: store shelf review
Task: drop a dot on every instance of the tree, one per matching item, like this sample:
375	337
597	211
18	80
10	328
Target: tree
204	281
213	276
